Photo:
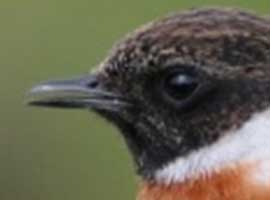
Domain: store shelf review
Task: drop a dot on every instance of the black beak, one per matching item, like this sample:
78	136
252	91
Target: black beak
82	92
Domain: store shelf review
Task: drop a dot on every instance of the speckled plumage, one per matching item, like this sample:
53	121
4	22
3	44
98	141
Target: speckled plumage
229	48
206	37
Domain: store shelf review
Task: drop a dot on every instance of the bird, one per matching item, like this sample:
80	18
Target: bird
190	94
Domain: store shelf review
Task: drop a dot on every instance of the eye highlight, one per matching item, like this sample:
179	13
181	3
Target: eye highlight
180	86
184	87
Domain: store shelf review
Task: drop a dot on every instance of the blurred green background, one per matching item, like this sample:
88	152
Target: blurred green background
67	155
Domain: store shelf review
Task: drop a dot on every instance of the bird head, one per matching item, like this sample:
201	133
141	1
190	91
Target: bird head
175	85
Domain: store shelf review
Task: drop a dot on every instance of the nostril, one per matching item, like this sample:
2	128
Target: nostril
93	83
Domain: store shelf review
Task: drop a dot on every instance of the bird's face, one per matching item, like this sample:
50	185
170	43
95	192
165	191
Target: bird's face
176	85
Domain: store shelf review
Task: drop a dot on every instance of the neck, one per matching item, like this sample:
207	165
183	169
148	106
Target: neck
250	143
236	167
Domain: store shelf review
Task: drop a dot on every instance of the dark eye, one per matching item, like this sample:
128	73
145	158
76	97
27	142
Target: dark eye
180	86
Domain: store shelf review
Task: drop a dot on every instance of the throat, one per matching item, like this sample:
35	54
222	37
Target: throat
249	145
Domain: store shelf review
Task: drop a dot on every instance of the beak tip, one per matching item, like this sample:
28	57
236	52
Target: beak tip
34	94
28	99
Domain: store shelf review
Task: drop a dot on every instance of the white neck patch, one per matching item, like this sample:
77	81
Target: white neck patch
249	143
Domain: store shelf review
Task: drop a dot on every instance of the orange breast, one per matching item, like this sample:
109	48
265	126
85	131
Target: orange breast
228	184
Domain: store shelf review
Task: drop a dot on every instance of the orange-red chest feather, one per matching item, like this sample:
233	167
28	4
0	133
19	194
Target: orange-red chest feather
228	184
